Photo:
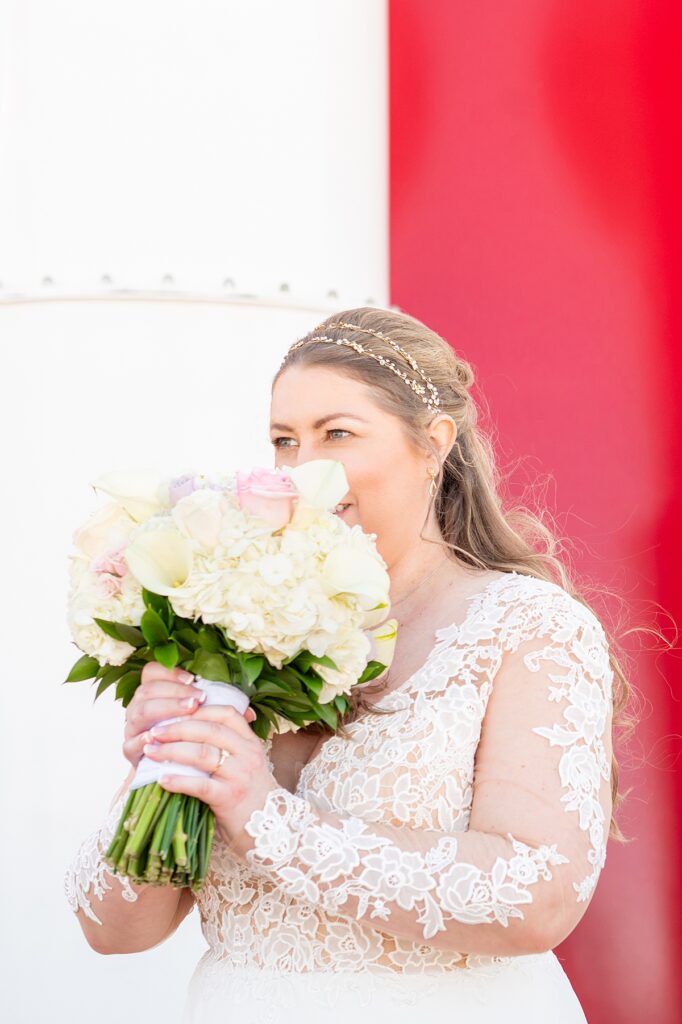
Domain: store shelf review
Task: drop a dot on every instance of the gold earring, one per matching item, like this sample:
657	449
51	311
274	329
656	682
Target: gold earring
433	486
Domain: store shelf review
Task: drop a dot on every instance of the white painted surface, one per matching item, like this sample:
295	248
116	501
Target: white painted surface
206	141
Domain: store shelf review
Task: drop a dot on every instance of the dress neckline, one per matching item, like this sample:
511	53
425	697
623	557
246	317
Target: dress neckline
474	601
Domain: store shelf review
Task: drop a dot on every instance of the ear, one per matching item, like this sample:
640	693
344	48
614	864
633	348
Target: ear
442	432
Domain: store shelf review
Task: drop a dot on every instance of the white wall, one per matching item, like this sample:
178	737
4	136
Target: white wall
205	141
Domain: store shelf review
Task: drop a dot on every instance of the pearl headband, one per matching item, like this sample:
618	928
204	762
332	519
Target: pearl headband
432	401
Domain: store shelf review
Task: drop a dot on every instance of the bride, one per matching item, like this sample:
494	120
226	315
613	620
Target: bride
434	851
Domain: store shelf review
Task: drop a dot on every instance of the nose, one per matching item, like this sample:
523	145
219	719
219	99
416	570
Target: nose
306	452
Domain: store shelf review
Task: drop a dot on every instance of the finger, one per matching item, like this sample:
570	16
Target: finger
147	712
164	688
204	788
154	670
133	748
206	731
235	719
200	755
213	733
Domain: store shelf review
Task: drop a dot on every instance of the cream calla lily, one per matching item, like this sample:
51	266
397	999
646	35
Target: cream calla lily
377	615
160	559
140	492
383	639
320	482
348	569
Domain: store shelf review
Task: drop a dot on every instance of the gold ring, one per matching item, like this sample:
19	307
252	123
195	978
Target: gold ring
224	754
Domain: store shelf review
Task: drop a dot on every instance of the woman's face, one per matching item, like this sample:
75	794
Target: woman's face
318	413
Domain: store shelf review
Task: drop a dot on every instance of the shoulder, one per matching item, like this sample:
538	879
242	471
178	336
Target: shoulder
543	620
533	605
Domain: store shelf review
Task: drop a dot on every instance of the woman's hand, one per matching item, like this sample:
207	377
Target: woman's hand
233	790
162	693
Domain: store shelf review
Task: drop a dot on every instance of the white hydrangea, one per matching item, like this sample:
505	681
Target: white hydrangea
306	585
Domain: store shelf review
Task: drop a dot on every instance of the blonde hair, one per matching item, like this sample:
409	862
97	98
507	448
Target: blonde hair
468	505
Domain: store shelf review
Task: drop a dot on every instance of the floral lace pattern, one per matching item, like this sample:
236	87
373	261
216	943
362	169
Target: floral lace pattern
87	872
370	864
436	883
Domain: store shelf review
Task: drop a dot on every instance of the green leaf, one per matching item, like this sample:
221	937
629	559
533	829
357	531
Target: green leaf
155	601
372	670
126	686
299	700
324	660
154	628
298	719
187	636
85	668
207	639
161	605
304	660
251	665
131	634
327	713
261	727
108	627
313	683
121	631
110	675
341	703
210	666
268	712
167	654
289	676
271	688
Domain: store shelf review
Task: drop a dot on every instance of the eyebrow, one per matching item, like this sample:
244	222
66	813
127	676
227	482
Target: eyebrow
322	421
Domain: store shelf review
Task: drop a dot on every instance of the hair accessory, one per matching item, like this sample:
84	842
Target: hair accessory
432	401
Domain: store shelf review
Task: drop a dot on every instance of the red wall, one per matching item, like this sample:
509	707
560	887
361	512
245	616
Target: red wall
535	224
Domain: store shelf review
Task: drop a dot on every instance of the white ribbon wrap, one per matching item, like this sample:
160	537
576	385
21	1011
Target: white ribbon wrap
222	694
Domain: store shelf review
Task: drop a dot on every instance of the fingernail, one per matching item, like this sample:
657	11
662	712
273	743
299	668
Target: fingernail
203	697
149	748
189	702
185	677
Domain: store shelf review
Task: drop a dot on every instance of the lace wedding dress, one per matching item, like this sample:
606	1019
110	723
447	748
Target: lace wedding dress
430	862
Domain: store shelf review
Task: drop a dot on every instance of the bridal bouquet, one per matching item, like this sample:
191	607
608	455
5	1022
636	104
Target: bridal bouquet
249	581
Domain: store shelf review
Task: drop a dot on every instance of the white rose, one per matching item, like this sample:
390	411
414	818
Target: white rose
199	516
140	492
108	528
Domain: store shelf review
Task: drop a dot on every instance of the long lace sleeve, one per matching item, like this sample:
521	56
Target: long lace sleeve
518	880
87	874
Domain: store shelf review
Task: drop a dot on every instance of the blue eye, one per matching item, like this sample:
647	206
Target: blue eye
334	430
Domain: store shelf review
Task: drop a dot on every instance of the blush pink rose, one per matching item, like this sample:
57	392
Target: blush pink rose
113	562
268	494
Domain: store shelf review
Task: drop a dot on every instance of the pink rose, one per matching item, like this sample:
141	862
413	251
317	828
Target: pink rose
268	494
113	562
